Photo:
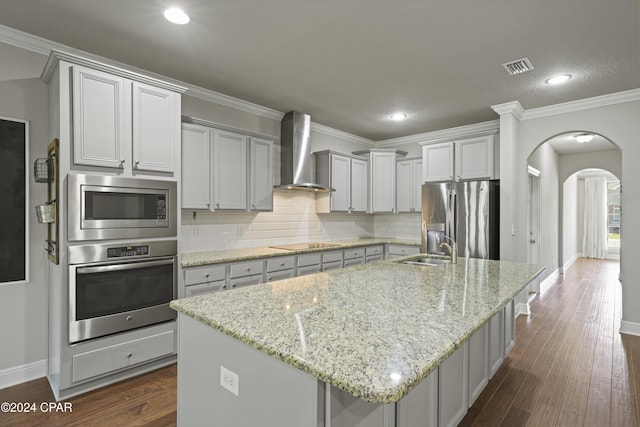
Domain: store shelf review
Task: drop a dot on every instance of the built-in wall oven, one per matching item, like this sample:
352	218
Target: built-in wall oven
110	207
115	287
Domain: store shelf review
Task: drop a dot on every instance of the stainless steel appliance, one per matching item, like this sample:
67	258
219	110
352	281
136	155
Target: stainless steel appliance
466	212
117	287
110	207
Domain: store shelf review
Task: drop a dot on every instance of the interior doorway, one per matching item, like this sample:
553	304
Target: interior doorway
533	221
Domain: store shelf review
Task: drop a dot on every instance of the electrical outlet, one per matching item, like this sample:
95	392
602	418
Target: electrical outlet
229	380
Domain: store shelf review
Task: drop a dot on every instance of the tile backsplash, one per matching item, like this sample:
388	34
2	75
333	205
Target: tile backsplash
293	220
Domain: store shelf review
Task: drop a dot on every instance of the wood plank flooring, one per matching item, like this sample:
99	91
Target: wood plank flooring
570	367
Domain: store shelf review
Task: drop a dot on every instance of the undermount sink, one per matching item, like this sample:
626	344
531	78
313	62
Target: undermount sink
426	261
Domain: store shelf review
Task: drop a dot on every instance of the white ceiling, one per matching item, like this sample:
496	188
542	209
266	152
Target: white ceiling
350	64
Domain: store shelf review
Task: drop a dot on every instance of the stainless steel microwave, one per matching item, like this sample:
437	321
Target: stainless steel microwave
110	207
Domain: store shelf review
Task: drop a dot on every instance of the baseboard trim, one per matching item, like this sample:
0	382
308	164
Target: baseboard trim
21	374
629	328
549	280
569	263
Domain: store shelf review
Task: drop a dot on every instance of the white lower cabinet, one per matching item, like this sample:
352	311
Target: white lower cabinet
246	273
280	268
420	406
478	363
354	256
452	388
348	411
374	253
397	251
509	327
205	279
205	288
496	342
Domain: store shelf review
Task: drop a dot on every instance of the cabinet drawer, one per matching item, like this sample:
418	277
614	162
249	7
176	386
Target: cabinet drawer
353	261
402	250
309	259
280	263
353	253
245	281
309	269
374	258
279	275
112	358
205	288
195	275
331	256
374	250
326	266
249	268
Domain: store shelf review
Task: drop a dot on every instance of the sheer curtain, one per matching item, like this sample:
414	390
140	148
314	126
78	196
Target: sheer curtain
594	243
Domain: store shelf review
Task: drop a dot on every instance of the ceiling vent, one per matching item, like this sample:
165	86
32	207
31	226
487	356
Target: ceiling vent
518	67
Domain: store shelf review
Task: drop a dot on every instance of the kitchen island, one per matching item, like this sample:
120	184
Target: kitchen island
355	346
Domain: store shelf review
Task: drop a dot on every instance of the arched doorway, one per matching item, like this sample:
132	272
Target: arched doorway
559	159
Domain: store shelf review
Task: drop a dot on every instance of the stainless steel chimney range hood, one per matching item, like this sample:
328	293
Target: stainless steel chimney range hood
295	155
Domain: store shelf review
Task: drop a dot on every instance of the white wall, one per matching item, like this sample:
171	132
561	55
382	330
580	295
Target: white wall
570	221
546	160
23	307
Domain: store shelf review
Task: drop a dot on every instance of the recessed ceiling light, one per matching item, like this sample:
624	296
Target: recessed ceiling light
583	137
556	80
176	15
398	116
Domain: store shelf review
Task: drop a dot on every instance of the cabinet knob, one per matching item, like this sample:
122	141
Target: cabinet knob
217	205
129	355
122	163
206	275
248	268
253	206
136	164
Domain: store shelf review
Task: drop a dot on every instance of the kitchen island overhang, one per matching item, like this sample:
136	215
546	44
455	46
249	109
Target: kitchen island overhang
374	331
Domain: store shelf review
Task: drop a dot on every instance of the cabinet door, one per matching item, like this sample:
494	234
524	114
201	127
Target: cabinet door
478	364
452	388
260	174
229	171
195	166
496	342
383	182
437	162
404	186
474	158
417	182
341	182
100	119
359	185
155	126
509	327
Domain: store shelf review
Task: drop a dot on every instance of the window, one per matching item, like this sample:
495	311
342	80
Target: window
613	216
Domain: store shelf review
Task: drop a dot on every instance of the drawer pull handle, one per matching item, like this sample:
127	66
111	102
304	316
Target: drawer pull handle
129	318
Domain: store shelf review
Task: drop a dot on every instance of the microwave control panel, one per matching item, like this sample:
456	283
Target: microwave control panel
126	251
162	208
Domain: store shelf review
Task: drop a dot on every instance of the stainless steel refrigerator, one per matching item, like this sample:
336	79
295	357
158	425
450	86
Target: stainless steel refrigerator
466	212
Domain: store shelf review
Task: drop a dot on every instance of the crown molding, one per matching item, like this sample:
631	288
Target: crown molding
466	131
27	41
583	104
326	130
513	107
235	103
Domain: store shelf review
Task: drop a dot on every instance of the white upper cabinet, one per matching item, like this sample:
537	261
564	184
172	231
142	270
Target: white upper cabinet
460	160
229	171
474	158
260	174
223	170
359	185
100	125
383	181
124	124
348	176
409	185
154	127
196	142
438	162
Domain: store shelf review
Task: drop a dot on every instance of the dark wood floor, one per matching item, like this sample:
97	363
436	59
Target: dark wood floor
570	367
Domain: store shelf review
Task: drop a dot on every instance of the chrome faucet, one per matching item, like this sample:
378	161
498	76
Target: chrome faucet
453	249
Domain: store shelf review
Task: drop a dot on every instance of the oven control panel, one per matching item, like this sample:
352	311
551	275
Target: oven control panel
126	251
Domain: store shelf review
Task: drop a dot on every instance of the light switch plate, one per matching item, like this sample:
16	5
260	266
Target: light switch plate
229	380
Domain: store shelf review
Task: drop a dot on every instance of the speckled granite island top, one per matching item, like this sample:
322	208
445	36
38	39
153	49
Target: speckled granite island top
373	330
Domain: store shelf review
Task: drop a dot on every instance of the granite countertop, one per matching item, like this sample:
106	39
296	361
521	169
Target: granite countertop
374	330
215	257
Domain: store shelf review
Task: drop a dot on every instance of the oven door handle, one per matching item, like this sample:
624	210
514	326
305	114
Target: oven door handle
127	266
